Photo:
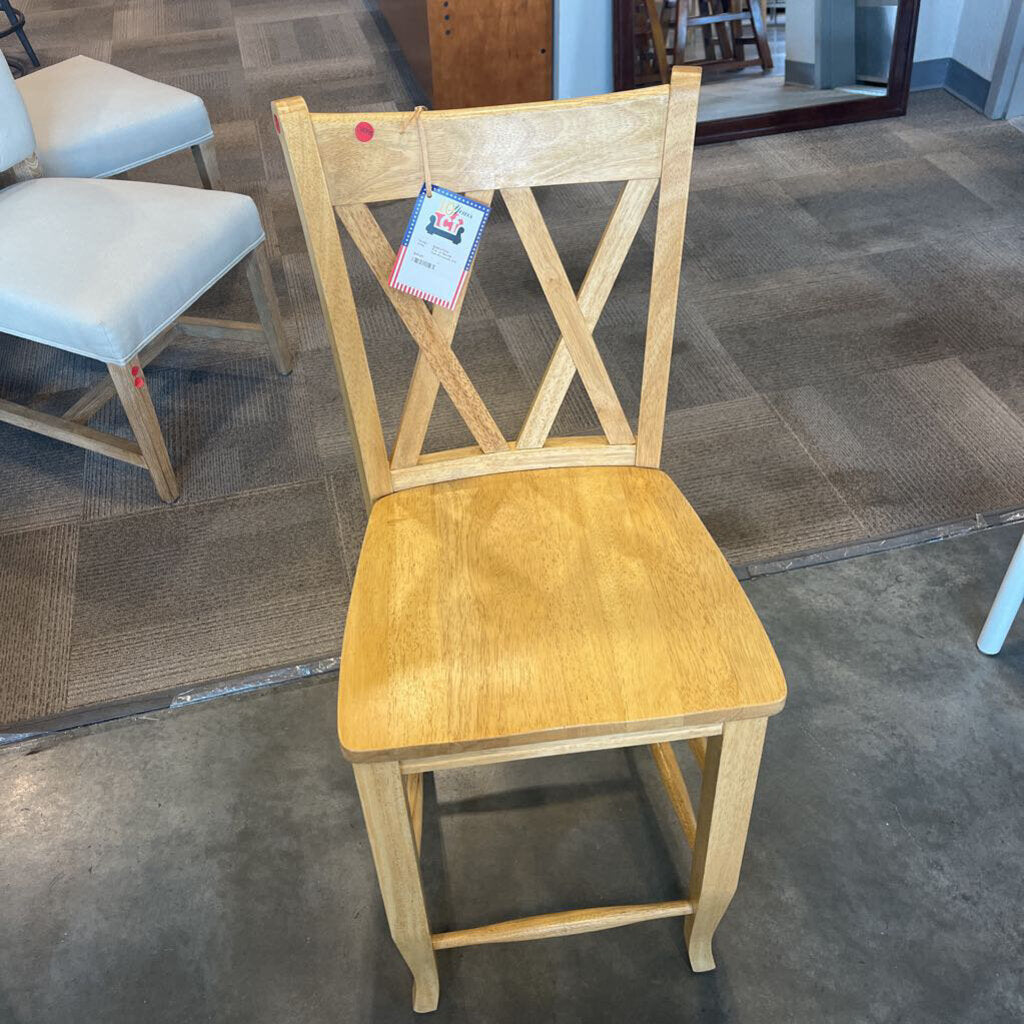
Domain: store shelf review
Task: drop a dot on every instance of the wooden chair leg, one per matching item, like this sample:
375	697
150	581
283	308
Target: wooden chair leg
727	793
130	384
205	156
764	50
386	811
261	282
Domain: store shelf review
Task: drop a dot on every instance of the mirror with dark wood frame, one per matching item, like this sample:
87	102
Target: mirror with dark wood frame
772	65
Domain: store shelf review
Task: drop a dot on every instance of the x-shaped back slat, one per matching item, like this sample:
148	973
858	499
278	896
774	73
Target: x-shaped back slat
434	348
601	275
576	333
576	316
419	402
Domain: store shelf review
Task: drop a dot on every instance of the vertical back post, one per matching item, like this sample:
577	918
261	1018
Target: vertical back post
332	283
676	161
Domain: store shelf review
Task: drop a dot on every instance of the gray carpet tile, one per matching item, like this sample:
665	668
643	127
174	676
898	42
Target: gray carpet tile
41	484
753	482
37	579
958	453
884	205
847	359
193	593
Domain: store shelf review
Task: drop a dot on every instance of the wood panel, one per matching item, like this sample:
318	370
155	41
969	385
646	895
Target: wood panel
408	20
536	606
565	922
488	53
600	138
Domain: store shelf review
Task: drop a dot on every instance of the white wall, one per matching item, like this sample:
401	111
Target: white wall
979	35
583	48
937	27
969	31
800	18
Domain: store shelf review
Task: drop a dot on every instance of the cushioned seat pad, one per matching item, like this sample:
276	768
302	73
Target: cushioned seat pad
100	267
93	120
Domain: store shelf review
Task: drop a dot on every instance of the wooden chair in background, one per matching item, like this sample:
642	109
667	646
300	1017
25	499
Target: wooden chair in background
538	596
724	48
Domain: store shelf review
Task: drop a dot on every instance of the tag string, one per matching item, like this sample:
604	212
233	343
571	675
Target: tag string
416	116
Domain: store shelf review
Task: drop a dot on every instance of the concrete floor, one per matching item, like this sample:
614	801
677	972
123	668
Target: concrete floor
210	864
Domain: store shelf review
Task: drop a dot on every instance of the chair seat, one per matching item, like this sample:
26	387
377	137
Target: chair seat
101	267
548	604
94	120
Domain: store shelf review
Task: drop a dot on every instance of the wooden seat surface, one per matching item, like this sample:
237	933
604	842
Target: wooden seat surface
543	605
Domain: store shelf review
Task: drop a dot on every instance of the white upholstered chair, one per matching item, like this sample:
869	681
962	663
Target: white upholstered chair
105	269
95	120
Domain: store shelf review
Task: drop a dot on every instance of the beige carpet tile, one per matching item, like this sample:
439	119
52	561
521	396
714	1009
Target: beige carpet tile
37	580
193	593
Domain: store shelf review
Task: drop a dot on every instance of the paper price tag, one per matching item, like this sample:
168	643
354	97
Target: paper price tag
440	242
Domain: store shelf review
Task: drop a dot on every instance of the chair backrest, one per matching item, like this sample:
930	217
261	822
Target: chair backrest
17	140
641	138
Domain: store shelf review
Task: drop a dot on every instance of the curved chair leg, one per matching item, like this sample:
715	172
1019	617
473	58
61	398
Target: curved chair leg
731	764
130	384
386	810
261	282
1006	605
205	156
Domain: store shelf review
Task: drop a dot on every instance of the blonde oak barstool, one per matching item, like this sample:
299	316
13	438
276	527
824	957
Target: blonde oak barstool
537	596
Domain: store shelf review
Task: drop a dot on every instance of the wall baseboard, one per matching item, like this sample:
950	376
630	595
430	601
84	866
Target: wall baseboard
799	72
952	76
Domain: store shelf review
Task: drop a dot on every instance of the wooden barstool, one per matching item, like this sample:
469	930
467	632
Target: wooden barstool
727	18
531	597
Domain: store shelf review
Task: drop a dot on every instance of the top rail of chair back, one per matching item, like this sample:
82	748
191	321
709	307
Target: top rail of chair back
374	157
17	140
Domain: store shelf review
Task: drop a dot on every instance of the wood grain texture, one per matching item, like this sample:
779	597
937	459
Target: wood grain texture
408	21
699	749
668	254
566	922
205	156
62	429
495	52
386	813
103	391
261	284
380	257
675	785
544	605
414	798
536	239
332	284
422	393
553	748
599	138
601	275
726	796
559	452
132	389
229	330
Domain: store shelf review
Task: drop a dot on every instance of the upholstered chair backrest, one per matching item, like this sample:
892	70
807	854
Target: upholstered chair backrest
17	140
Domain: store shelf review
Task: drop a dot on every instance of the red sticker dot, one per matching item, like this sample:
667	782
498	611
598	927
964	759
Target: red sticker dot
277	125
135	371
139	382
364	131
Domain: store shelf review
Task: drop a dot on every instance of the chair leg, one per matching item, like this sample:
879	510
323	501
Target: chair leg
1006	605
261	282
205	156
386	811
131	387
17	20
727	793
764	51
